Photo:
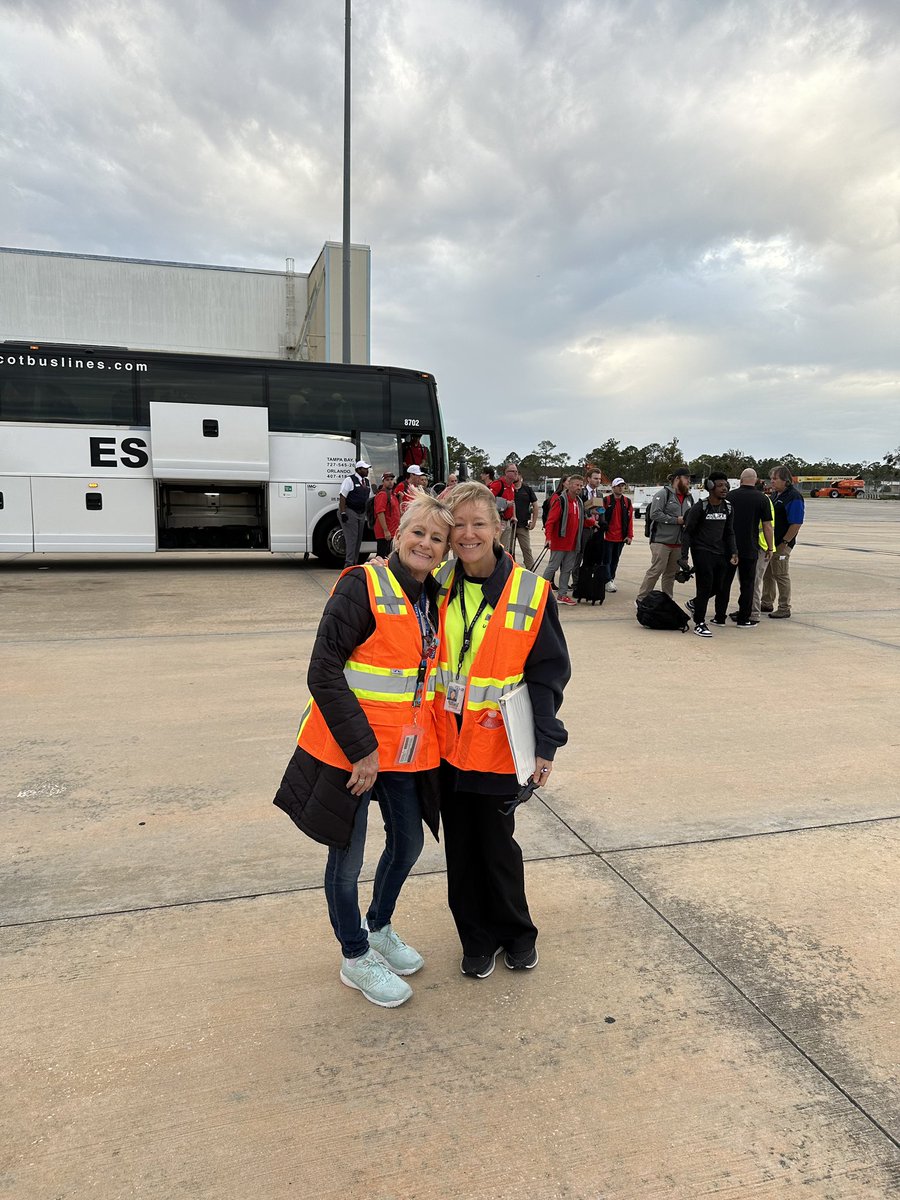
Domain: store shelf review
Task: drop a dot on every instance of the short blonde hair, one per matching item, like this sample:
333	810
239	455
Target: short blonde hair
425	508
475	493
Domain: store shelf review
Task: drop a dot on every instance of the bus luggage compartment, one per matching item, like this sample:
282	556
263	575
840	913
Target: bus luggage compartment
212	516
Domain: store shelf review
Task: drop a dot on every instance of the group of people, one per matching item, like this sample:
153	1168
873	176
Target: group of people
585	529
412	657
382	507
743	531
748	532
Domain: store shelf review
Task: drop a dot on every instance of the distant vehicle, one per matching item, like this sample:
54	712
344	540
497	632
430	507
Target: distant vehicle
106	449
841	487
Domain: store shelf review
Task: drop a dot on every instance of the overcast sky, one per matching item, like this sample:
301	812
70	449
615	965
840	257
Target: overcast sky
594	219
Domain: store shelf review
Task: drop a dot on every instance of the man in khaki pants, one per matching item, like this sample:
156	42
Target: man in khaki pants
668	508
789	512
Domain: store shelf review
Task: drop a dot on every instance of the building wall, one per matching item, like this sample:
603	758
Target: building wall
92	300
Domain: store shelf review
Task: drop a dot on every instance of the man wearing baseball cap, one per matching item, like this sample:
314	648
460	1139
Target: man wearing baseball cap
619	529
354	497
668	509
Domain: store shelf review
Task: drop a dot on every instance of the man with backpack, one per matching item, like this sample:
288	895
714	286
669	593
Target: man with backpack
664	524
708	536
385	515
565	522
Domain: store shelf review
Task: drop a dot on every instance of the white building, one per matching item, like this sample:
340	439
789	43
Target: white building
91	300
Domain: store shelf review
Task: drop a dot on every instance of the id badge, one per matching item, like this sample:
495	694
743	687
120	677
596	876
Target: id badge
410	740
453	701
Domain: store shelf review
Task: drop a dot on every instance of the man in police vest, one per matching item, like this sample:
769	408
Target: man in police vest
355	491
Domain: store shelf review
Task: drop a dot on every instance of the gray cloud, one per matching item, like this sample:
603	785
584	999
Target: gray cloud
588	219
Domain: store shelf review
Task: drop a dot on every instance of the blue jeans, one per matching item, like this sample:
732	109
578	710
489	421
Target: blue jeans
398	798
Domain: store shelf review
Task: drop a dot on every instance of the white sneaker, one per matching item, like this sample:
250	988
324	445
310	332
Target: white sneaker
377	982
611	586
394	952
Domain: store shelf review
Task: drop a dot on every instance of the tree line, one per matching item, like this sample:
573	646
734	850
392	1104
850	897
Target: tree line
655	462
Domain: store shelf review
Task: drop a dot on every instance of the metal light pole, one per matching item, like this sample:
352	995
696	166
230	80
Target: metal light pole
345	261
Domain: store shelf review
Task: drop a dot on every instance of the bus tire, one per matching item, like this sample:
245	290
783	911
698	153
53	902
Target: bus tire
328	541
834	494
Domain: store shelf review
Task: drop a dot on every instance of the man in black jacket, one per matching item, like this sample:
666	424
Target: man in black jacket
709	537
751	510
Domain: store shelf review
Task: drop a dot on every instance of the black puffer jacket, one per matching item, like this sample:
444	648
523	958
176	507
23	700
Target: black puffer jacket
313	794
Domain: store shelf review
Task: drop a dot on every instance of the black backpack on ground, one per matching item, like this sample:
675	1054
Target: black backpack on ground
659	611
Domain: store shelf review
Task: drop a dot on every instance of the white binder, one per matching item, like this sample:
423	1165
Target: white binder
518	719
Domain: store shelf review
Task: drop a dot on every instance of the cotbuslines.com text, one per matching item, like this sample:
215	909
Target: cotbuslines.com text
70	364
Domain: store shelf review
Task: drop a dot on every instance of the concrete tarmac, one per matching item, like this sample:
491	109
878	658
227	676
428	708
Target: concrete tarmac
713	868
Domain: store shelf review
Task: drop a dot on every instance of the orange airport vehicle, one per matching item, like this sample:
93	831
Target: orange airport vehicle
837	488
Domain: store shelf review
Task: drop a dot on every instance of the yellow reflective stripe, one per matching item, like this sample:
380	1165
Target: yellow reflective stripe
368	669
525	594
484	693
443	576
307	712
389	596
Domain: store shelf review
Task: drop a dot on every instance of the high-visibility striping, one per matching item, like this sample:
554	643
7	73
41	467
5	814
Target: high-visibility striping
306	715
389	596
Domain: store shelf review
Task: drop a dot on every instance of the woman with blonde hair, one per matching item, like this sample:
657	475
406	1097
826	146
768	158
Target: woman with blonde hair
500	627
370	730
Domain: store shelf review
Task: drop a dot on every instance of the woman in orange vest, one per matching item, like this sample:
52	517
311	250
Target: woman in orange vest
370	729
501	627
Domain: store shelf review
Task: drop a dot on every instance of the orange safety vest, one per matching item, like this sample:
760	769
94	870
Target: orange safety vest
479	742
382	675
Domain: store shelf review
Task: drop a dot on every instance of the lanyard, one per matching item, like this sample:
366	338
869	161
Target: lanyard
467	629
429	645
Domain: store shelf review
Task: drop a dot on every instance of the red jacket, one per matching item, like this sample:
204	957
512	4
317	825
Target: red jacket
619	518
571	540
501	488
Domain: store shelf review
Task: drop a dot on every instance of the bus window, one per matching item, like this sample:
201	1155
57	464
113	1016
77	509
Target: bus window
200	385
81	396
311	401
412	403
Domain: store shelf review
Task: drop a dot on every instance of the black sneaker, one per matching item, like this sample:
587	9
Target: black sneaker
747	624
689	605
718	621
702	630
734	616
526	961
479	966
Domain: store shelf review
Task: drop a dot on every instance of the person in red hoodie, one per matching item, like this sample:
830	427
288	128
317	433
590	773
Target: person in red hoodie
619	528
565	523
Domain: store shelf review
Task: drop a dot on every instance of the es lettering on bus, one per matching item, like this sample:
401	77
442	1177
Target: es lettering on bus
105	452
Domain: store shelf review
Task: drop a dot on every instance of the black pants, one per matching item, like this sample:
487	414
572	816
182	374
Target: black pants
485	875
613	552
746	571
709	573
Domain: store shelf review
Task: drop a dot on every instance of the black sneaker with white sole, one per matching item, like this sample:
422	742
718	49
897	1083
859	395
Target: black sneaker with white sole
479	966
526	961
702	630
689	605
716	621
747	624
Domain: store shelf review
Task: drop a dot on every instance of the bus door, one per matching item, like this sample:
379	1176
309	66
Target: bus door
395	452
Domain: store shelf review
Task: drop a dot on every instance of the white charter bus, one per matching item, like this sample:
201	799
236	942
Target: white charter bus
106	449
